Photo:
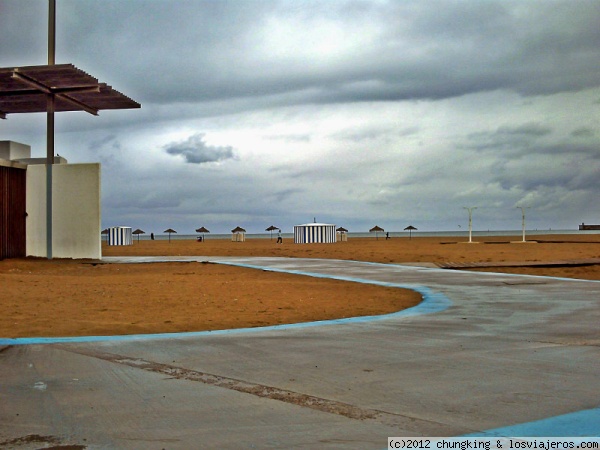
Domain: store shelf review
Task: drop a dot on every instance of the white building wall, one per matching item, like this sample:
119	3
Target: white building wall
76	213
11	150
35	206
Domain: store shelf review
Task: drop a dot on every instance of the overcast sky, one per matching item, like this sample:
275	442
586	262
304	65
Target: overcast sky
395	113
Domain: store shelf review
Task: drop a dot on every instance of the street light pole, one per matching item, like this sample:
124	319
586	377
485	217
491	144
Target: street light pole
470	220
523	208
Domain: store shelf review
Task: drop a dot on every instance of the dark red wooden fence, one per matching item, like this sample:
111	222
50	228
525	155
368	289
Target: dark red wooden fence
12	212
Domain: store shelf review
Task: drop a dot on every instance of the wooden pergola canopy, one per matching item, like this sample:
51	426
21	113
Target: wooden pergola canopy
26	89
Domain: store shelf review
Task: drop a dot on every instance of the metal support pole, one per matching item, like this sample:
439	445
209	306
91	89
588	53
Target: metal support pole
470	220
49	162
50	127
523	208
51	32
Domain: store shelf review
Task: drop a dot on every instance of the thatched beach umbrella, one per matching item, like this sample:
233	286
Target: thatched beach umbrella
271	229
105	231
410	228
169	230
138	232
202	230
376	229
238	230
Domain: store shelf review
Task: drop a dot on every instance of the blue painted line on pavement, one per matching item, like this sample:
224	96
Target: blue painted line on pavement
432	302
578	424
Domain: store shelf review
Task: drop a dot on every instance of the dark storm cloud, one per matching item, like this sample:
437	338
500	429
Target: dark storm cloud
566	165
516	143
200	51
195	150
449	74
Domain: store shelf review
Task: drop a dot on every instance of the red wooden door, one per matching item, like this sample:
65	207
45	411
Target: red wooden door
12	212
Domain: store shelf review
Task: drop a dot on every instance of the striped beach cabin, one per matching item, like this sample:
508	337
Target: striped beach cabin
120	236
314	233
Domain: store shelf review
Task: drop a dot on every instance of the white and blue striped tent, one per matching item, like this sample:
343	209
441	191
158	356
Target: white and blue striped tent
314	232
120	236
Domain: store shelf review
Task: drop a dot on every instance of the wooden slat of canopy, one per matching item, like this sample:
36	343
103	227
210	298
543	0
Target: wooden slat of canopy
25	89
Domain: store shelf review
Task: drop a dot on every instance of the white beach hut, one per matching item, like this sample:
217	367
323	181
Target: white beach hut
314	233
120	236
238	234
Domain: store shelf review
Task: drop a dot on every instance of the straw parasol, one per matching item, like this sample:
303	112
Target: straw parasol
138	232
271	229
202	230
169	230
410	228
238	230
105	231
376	229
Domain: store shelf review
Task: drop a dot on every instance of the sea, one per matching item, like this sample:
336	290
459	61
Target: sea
460	233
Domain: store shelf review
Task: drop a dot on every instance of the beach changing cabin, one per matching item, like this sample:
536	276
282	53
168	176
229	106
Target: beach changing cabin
314	233
120	236
238	234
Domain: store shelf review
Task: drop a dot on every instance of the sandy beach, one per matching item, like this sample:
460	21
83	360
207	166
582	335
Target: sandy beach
75	297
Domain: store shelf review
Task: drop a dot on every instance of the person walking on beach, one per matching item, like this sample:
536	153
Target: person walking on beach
279	239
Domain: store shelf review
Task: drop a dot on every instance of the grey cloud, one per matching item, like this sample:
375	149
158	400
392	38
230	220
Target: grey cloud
568	169
106	149
148	201
508	138
529	129
282	195
203	65
421	50
103	142
373	133
572	149
583	132
196	151
33	35
289	137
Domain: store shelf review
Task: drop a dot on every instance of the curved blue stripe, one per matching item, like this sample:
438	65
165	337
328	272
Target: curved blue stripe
578	424
432	302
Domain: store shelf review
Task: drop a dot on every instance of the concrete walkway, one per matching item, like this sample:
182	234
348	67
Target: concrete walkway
490	354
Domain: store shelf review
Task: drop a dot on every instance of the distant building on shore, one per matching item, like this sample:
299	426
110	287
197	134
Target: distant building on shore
583	226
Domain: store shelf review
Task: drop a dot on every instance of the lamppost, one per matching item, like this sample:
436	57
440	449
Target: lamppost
523	208
470	220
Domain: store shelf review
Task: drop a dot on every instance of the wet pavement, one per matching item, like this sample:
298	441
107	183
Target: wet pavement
483	354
